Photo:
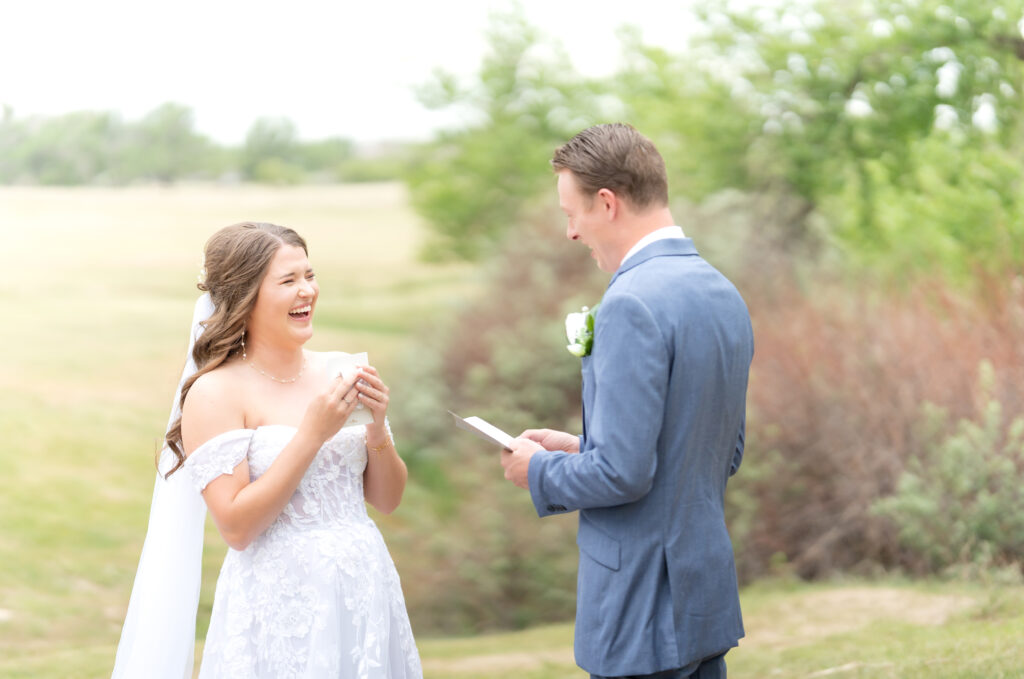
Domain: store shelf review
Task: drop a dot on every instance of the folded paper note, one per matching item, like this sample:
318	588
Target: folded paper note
340	363
483	429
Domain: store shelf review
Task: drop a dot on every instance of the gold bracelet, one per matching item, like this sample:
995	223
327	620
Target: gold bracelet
381	447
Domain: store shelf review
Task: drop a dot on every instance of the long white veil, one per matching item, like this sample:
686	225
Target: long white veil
158	637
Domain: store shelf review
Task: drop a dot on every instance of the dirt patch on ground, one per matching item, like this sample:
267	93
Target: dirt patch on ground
801	619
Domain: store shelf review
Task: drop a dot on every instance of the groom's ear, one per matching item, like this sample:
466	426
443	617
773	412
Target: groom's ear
608	203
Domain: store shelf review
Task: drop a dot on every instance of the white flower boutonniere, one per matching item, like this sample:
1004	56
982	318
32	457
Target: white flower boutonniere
579	330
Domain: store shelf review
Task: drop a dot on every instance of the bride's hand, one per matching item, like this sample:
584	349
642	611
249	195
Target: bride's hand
328	410
373	394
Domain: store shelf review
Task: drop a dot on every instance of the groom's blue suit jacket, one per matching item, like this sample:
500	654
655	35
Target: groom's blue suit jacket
664	400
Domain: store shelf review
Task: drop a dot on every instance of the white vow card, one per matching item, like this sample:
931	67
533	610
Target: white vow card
483	429
340	363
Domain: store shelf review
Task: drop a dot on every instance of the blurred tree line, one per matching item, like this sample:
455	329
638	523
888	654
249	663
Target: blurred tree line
99	147
854	168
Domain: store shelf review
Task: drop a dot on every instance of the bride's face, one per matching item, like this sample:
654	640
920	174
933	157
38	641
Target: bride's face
283	313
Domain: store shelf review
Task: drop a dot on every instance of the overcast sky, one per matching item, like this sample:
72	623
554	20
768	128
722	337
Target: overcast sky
335	68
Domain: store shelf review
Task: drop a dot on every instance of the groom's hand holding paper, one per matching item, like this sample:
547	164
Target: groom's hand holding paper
516	461
550	439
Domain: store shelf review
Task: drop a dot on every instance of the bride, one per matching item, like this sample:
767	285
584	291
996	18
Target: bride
307	588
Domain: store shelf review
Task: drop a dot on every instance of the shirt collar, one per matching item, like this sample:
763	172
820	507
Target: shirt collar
663	233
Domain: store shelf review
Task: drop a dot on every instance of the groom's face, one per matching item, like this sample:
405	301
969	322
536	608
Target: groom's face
587	220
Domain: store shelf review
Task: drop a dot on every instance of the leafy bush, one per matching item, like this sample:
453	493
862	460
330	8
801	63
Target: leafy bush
834	407
959	501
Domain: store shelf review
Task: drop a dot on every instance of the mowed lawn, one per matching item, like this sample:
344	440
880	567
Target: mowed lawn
97	290
841	630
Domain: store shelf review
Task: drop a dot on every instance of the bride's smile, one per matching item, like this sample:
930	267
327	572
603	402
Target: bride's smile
303	312
283	313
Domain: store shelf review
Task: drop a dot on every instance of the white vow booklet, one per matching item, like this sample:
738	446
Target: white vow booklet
340	363
483	429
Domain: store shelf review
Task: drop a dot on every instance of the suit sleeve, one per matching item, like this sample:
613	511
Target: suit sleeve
618	459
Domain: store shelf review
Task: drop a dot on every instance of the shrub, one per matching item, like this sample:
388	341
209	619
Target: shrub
834	410
959	501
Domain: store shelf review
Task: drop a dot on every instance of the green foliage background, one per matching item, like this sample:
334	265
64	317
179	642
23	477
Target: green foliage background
895	125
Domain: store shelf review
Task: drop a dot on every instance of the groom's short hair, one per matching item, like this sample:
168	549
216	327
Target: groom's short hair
615	156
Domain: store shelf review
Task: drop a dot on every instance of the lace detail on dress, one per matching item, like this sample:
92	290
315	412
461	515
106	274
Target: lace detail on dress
316	595
220	455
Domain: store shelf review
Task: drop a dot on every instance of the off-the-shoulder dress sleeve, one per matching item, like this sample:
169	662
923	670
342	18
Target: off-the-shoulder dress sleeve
220	455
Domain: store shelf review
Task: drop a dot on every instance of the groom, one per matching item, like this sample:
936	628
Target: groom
664	399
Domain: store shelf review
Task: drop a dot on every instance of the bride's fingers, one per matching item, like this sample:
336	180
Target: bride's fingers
371	376
350	398
342	396
373	398
337	389
374	380
342	384
374	402
377	391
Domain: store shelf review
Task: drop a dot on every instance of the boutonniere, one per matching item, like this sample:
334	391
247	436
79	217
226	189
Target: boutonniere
579	330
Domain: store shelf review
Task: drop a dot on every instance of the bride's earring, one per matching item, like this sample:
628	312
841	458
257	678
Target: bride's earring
244	357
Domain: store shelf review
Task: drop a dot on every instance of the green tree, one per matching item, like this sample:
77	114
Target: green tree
326	155
75	148
272	152
894	128
474	183
165	146
12	134
881	116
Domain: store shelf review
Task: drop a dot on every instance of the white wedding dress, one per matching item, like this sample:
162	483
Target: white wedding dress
317	594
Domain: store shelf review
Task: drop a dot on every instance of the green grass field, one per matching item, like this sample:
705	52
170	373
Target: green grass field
96	292
892	630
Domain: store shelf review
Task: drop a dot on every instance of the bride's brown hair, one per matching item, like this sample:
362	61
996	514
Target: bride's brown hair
236	260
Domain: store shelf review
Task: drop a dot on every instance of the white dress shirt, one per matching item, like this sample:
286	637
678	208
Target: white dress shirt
663	233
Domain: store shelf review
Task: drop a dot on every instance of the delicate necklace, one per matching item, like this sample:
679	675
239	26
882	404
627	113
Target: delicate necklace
261	371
